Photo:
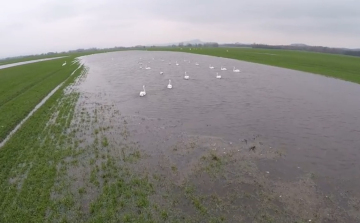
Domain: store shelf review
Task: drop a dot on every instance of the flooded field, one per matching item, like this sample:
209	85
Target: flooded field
316	119
262	145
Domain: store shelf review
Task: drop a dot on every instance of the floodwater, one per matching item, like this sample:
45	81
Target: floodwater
26	62
314	118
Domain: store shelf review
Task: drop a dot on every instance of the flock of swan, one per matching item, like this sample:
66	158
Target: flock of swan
186	76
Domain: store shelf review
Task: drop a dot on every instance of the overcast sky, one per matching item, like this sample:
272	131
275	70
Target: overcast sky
38	26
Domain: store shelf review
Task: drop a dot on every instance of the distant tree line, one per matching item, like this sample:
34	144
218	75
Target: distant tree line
209	44
319	49
53	54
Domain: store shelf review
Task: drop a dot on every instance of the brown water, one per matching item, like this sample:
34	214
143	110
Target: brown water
315	118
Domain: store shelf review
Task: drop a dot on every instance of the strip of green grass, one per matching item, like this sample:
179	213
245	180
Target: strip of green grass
23	87
28	161
337	66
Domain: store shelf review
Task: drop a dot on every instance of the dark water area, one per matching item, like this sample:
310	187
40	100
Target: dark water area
314	118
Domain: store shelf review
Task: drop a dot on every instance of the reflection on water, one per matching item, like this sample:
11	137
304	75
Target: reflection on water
314	117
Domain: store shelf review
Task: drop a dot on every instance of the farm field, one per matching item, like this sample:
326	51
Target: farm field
336	66
23	87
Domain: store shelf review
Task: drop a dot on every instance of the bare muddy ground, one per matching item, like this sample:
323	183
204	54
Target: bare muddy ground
138	168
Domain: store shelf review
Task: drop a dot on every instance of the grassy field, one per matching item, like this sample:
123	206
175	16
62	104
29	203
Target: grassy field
37	57
22	87
337	66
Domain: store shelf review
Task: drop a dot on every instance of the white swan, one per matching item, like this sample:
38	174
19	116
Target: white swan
177	64
223	68
218	76
147	68
161	72
186	77
169	85
236	70
143	93
64	63
197	64
211	67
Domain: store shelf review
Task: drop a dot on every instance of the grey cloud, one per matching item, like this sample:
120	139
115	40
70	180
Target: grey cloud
111	22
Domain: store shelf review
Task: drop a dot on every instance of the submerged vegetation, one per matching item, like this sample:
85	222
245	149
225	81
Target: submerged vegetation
337	66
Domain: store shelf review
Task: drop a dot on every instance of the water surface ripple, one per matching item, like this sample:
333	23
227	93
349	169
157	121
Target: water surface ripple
314	117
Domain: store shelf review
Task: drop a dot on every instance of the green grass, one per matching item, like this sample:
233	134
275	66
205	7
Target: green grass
37	57
22	87
29	161
337	66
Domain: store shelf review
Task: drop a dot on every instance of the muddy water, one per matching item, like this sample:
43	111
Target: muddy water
314	118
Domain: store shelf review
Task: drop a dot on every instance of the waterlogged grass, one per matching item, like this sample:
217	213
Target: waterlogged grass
337	66
28	162
22	87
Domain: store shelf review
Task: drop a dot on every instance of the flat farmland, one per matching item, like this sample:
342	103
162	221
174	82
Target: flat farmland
23	87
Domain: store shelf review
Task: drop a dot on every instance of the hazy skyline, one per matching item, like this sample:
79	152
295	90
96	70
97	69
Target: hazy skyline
40	26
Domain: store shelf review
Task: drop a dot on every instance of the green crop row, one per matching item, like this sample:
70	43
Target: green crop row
23	87
28	161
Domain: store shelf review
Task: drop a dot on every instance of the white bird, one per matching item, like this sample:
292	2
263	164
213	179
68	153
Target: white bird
147	68
143	93
197	64
218	76
236	70
64	63
177	64
223	68
169	85
161	72
186	77
211	67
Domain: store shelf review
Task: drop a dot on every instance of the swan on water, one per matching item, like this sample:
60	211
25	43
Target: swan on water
143	93
169	85
197	64
223	68
218	76
64	63
211	67
147	68
177	64
161	72
186	77
236	70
